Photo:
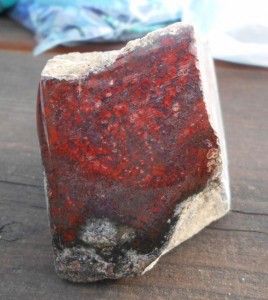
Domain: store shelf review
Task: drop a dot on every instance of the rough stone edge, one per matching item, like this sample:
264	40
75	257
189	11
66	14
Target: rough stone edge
214	201
211	96
198	211
77	65
194	214
83	264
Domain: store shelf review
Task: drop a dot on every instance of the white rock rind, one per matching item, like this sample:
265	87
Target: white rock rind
84	264
75	66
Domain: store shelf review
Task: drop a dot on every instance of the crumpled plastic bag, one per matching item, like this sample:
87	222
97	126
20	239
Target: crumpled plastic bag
237	30
56	22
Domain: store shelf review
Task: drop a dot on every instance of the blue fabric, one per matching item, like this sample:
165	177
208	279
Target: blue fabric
57	22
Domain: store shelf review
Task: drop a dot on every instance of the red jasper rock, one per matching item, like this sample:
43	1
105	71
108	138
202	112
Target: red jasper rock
133	153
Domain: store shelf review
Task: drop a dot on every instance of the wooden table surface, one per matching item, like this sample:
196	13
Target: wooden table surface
227	260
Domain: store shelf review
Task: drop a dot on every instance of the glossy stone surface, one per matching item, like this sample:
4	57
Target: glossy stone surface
129	152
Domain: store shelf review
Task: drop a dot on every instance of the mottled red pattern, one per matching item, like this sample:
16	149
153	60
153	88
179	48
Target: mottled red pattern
129	143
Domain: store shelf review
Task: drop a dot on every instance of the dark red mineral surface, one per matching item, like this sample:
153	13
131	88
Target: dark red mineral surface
121	147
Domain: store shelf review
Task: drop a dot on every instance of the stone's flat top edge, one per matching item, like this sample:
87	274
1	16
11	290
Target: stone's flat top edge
77	65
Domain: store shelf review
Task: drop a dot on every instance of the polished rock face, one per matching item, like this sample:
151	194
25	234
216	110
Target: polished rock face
130	153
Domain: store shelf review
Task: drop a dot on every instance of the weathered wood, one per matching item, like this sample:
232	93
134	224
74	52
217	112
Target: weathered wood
215	264
228	260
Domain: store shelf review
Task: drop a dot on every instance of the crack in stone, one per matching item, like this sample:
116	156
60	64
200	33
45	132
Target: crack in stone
249	213
238	230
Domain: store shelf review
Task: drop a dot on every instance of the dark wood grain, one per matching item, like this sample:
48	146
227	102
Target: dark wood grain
227	260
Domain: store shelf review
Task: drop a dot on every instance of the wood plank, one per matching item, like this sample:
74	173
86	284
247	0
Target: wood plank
19	154
243	92
216	264
228	260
